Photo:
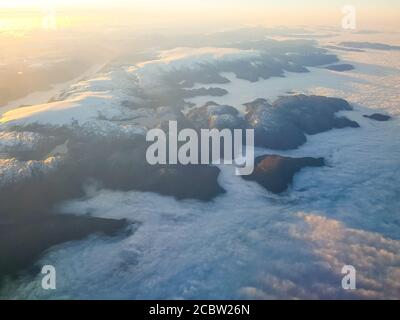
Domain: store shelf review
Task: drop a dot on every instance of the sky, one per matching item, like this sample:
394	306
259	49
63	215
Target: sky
154	4
383	14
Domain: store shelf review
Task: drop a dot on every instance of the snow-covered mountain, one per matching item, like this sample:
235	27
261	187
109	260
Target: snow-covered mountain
202	232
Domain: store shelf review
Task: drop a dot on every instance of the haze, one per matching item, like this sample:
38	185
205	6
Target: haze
26	14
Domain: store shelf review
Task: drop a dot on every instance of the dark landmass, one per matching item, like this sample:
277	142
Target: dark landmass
213	115
187	78
369	45
120	163
340	67
28	208
116	164
275	173
23	79
185	182
284	124
215	92
22	241
378	117
344	48
30	223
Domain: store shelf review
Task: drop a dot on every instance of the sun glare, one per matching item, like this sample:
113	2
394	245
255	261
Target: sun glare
18	16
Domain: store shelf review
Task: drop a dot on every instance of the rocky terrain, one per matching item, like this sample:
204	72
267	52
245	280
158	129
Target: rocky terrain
23	241
378	117
285	123
275	173
31	189
340	67
93	136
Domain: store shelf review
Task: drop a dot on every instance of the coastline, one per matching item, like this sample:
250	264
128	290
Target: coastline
40	97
